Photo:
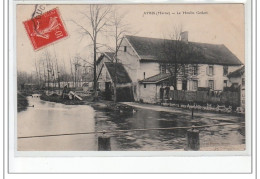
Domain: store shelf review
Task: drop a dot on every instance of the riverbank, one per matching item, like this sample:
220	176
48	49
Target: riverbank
100	104
58	99
22	102
88	100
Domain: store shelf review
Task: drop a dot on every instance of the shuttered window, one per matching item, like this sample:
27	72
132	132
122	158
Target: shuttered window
243	81
211	84
211	70
225	83
225	70
195	70
163	68
195	85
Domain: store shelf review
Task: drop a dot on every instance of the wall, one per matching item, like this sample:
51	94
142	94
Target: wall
129	59
104	76
150	69
203	77
148	94
134	68
237	80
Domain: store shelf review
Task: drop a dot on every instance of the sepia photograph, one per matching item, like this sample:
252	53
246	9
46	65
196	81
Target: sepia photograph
130	77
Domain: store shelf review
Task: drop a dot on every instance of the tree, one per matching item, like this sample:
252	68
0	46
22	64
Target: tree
178	54
77	65
49	66
118	29
97	19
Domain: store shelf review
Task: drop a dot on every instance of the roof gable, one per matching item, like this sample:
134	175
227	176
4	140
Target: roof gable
109	55
237	73
153	49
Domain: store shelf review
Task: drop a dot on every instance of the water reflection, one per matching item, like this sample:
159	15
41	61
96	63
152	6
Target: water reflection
167	139
53	118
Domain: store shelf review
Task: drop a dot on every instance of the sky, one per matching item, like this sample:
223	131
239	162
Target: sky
218	24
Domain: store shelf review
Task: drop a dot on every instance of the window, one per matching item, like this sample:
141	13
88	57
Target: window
195	85
125	48
225	83
211	84
184	85
225	70
163	68
195	70
144	85
183	70
243	81
211	70
235	85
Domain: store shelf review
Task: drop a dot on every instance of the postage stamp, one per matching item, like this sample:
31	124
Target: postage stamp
45	29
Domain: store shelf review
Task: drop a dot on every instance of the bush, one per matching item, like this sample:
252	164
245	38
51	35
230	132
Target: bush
22	102
203	88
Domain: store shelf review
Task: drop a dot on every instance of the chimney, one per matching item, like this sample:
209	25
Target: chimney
184	36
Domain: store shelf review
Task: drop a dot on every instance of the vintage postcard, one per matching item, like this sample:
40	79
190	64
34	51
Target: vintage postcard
130	77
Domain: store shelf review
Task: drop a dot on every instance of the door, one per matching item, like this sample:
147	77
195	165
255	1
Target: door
108	92
184	85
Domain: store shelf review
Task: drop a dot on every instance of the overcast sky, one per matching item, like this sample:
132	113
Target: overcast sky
222	24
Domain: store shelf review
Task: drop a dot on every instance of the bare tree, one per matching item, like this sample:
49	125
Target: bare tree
77	64
118	29
177	54
22	78
48	60
57	68
97	19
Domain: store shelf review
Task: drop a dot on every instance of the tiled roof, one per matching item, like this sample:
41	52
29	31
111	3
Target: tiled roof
156	78
154	49
237	73
122	75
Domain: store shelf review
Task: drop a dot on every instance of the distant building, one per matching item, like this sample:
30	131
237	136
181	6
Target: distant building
237	80
30	86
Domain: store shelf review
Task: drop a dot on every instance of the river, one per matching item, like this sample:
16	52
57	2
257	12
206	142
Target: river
49	118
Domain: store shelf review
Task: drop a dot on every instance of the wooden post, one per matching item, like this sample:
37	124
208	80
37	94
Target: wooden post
104	143
193	141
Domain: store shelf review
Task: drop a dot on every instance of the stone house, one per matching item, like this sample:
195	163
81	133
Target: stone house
144	58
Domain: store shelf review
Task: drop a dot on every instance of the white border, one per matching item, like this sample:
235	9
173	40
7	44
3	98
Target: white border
220	164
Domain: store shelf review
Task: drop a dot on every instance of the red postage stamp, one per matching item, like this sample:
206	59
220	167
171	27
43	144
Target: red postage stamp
45	29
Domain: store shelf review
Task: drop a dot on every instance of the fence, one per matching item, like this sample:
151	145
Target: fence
227	97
